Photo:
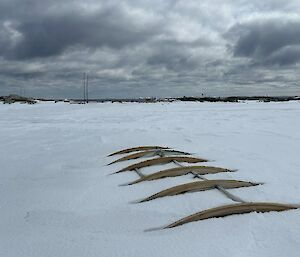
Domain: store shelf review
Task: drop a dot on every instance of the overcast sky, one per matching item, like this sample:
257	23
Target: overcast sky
150	48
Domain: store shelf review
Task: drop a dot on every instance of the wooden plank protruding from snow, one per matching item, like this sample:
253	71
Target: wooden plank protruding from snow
231	209
179	171
199	186
148	153
219	187
138	148
162	160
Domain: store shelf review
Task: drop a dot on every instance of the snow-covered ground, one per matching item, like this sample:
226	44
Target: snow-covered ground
56	198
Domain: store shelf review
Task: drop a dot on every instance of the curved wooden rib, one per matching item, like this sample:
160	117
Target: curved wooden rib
139	148
199	186
232	209
149	153
179	171
162	160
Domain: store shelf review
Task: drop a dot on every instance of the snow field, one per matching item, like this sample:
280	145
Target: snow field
57	199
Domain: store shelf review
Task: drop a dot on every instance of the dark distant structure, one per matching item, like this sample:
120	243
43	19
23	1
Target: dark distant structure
85	87
17	99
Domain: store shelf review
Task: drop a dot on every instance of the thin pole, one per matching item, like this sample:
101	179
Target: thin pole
84	91
139	173
87	88
220	188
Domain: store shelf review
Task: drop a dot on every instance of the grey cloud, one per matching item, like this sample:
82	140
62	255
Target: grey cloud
50	35
171	60
173	56
149	48
286	55
272	41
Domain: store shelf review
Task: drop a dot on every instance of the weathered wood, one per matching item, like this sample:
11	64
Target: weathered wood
219	187
139	148
179	171
162	160
148	153
199	186
226	210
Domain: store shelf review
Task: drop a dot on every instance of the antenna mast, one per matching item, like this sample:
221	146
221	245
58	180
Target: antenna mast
87	88
84	87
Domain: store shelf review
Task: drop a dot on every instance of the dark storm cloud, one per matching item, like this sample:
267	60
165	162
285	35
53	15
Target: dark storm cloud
51	35
271	41
286	55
